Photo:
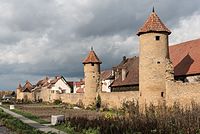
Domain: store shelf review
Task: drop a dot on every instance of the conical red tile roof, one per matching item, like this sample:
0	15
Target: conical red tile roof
19	86
91	58
153	24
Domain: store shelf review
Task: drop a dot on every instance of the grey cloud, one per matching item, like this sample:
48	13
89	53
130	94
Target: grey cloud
43	37
119	16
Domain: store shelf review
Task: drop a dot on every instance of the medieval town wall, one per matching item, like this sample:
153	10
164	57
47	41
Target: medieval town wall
68	98
182	93
26	96
44	94
112	99
116	99
19	95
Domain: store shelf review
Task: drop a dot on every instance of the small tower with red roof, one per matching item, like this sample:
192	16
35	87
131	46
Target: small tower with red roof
19	90
92	76
153	52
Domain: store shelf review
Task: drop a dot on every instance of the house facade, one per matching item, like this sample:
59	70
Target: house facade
44	90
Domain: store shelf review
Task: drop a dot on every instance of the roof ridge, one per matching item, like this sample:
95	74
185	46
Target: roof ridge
185	42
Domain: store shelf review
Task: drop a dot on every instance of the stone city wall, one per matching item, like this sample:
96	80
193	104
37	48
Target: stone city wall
183	93
72	98
44	94
116	99
113	99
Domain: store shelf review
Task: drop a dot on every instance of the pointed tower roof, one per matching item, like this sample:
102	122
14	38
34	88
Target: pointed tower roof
91	58
153	24
19	86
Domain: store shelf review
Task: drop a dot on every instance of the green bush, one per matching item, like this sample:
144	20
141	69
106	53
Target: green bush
98	102
155	120
57	102
90	131
66	127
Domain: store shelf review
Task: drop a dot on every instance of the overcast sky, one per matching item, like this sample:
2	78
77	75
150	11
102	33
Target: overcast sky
41	38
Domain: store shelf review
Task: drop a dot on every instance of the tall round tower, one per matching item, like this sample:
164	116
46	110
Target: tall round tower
91	76
153	38
19	91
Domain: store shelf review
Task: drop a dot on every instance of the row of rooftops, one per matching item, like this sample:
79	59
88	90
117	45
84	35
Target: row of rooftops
46	82
49	82
184	56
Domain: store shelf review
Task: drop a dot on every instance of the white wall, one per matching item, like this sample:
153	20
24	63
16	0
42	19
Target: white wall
61	84
105	85
192	79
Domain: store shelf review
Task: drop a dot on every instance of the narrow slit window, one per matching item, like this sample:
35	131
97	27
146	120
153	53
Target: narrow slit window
92	64
158	62
162	94
157	37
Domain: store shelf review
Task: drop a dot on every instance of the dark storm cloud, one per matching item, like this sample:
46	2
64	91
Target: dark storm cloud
52	37
126	16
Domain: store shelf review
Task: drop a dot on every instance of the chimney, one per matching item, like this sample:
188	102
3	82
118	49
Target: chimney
124	58
124	72
56	77
116	72
112	73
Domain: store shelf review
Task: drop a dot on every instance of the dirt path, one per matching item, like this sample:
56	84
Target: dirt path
44	128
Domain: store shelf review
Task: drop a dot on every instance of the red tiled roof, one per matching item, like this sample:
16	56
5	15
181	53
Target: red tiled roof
186	57
92	58
27	87
56	79
105	74
19	86
77	83
153	24
71	84
80	90
43	82
132	67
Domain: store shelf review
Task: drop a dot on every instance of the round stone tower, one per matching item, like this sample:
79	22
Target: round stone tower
153	38
19	90
91	76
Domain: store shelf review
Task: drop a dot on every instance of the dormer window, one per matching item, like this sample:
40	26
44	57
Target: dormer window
157	38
